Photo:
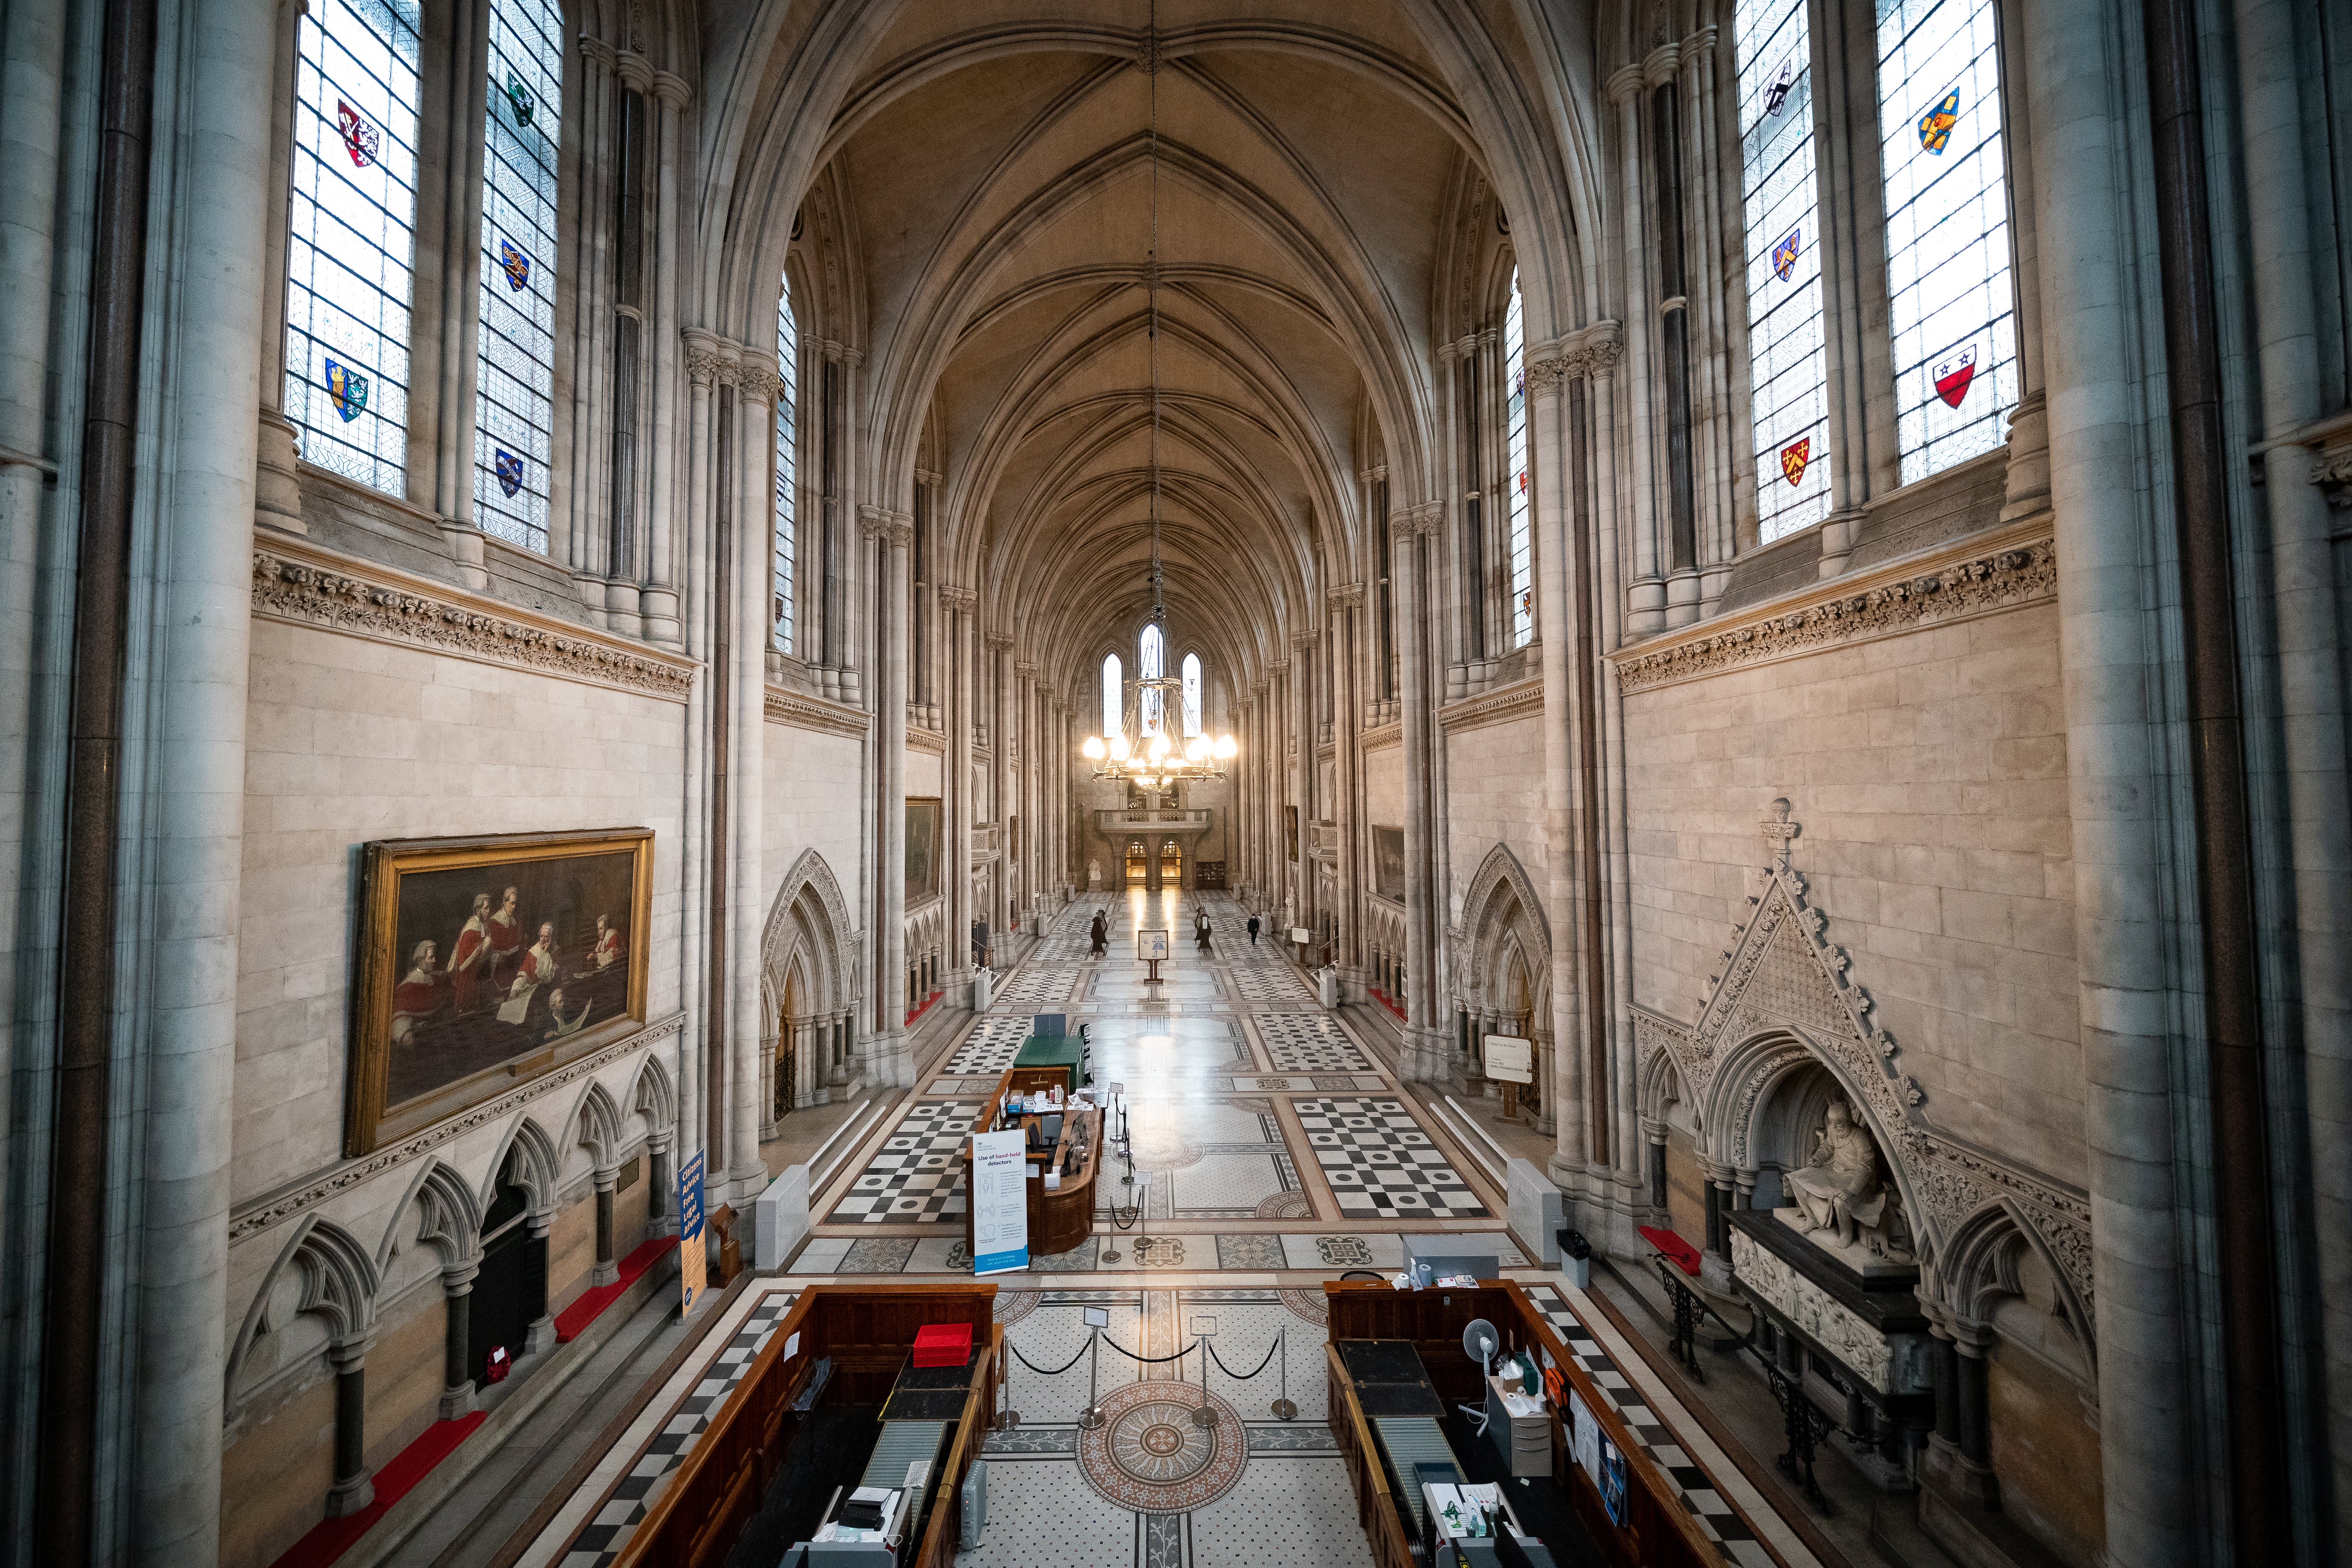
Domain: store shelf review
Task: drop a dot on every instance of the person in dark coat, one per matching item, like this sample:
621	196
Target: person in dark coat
1100	934
1201	928
1253	929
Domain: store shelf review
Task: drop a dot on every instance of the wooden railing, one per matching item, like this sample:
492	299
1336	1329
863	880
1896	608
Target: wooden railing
1376	1506
695	1519
1658	1531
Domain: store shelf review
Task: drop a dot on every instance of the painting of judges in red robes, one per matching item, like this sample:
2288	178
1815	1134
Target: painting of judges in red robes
487	961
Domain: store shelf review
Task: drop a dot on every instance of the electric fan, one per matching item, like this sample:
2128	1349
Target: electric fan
1479	1342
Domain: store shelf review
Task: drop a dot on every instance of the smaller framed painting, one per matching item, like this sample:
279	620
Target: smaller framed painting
485	961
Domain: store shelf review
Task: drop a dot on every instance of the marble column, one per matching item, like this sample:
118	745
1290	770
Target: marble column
2096	336
1423	1057
657	599
1302	683
887	1061
354	1483
1346	620
457	1397
607	1267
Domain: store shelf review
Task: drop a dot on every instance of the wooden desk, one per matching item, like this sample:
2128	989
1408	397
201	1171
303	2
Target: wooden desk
1062	1220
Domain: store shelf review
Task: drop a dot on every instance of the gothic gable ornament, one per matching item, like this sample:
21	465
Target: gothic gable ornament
1781	996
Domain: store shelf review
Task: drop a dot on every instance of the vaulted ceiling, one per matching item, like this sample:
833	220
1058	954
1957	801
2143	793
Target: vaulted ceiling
985	219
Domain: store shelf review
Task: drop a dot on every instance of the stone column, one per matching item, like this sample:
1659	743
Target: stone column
2095	342
1565	715
1646	593
957	623
608	1269
658	600
446	322
571	528
1302	683
456	1338
200	575
540	1336
1346	620
752	570
889	1064
2271	72
277	488
707	358
661	1203
354	1486
1001	732
1423	1057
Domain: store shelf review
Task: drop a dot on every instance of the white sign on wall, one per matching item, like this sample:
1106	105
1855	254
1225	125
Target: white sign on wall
1000	1203
1510	1059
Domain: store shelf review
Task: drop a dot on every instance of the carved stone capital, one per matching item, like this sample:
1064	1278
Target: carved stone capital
1662	65
1024	670
636	72
600	55
709	358
1624	83
672	89
1430	517
1304	641
1374	474
1347	595
962	600
757	381
1545	376
1000	641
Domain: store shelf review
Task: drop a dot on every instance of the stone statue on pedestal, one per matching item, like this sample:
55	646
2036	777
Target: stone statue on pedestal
1094	873
1842	1189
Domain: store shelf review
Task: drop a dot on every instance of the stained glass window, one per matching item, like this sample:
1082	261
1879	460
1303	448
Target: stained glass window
351	237
1191	667
1153	663
788	359
1113	718
1950	304
1788	355
1523	581
514	384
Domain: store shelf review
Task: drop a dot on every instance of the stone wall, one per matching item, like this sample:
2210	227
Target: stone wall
1927	770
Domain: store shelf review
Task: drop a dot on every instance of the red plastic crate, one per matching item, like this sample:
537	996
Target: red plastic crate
943	1344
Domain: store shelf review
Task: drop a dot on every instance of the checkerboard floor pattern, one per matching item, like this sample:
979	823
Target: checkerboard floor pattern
990	1048
1037	986
1716	1517
916	1174
602	1539
1307	1042
1269	983
1381	1165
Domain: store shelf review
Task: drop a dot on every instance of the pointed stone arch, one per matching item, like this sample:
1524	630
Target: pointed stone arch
538	1168
654	1097
1487	916
321	1270
594	1124
808	932
451	1222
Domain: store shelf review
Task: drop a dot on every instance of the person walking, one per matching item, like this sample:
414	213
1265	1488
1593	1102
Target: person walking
1100	934
1253	929
1201	928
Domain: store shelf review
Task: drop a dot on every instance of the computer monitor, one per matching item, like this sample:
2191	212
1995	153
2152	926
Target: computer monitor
1053	1128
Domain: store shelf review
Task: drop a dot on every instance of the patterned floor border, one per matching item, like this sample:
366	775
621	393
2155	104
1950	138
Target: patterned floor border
598	1541
1716	1518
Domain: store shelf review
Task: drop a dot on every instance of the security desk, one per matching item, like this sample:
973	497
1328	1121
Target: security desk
1059	1221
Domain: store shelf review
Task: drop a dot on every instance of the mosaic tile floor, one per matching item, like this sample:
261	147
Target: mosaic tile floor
1382	1163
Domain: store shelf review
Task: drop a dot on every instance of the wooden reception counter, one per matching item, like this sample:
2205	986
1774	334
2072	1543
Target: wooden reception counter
1061	1220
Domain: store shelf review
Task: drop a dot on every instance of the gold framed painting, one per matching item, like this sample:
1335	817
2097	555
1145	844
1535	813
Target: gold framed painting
485	961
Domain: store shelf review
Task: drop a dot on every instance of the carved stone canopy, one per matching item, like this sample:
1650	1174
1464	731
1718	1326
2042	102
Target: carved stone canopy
1780	1003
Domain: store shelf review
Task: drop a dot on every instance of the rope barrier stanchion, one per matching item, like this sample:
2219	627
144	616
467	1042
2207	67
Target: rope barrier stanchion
1245	1376
1091	1418
1207	1414
1284	1410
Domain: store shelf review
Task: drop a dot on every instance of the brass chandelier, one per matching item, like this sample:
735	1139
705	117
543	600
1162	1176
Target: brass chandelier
1140	750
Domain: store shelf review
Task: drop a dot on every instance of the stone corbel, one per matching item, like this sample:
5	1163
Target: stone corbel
2330	441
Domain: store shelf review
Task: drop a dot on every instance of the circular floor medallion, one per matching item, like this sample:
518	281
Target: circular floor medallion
1149	1456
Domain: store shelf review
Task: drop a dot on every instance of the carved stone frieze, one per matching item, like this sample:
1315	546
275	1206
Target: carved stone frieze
315	593
1996	581
1891	1364
1779	976
1517	700
273	1208
786	707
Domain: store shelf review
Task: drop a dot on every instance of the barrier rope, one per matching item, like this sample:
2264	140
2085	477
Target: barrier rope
1040	1371
1149	1360
1243	1376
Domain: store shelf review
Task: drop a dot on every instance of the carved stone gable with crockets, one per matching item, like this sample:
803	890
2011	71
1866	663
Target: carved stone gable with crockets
1780	995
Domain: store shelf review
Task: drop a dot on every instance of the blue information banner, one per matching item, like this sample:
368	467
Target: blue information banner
693	1267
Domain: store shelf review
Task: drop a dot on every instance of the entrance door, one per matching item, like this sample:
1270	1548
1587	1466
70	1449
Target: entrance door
1171	864
1136	870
